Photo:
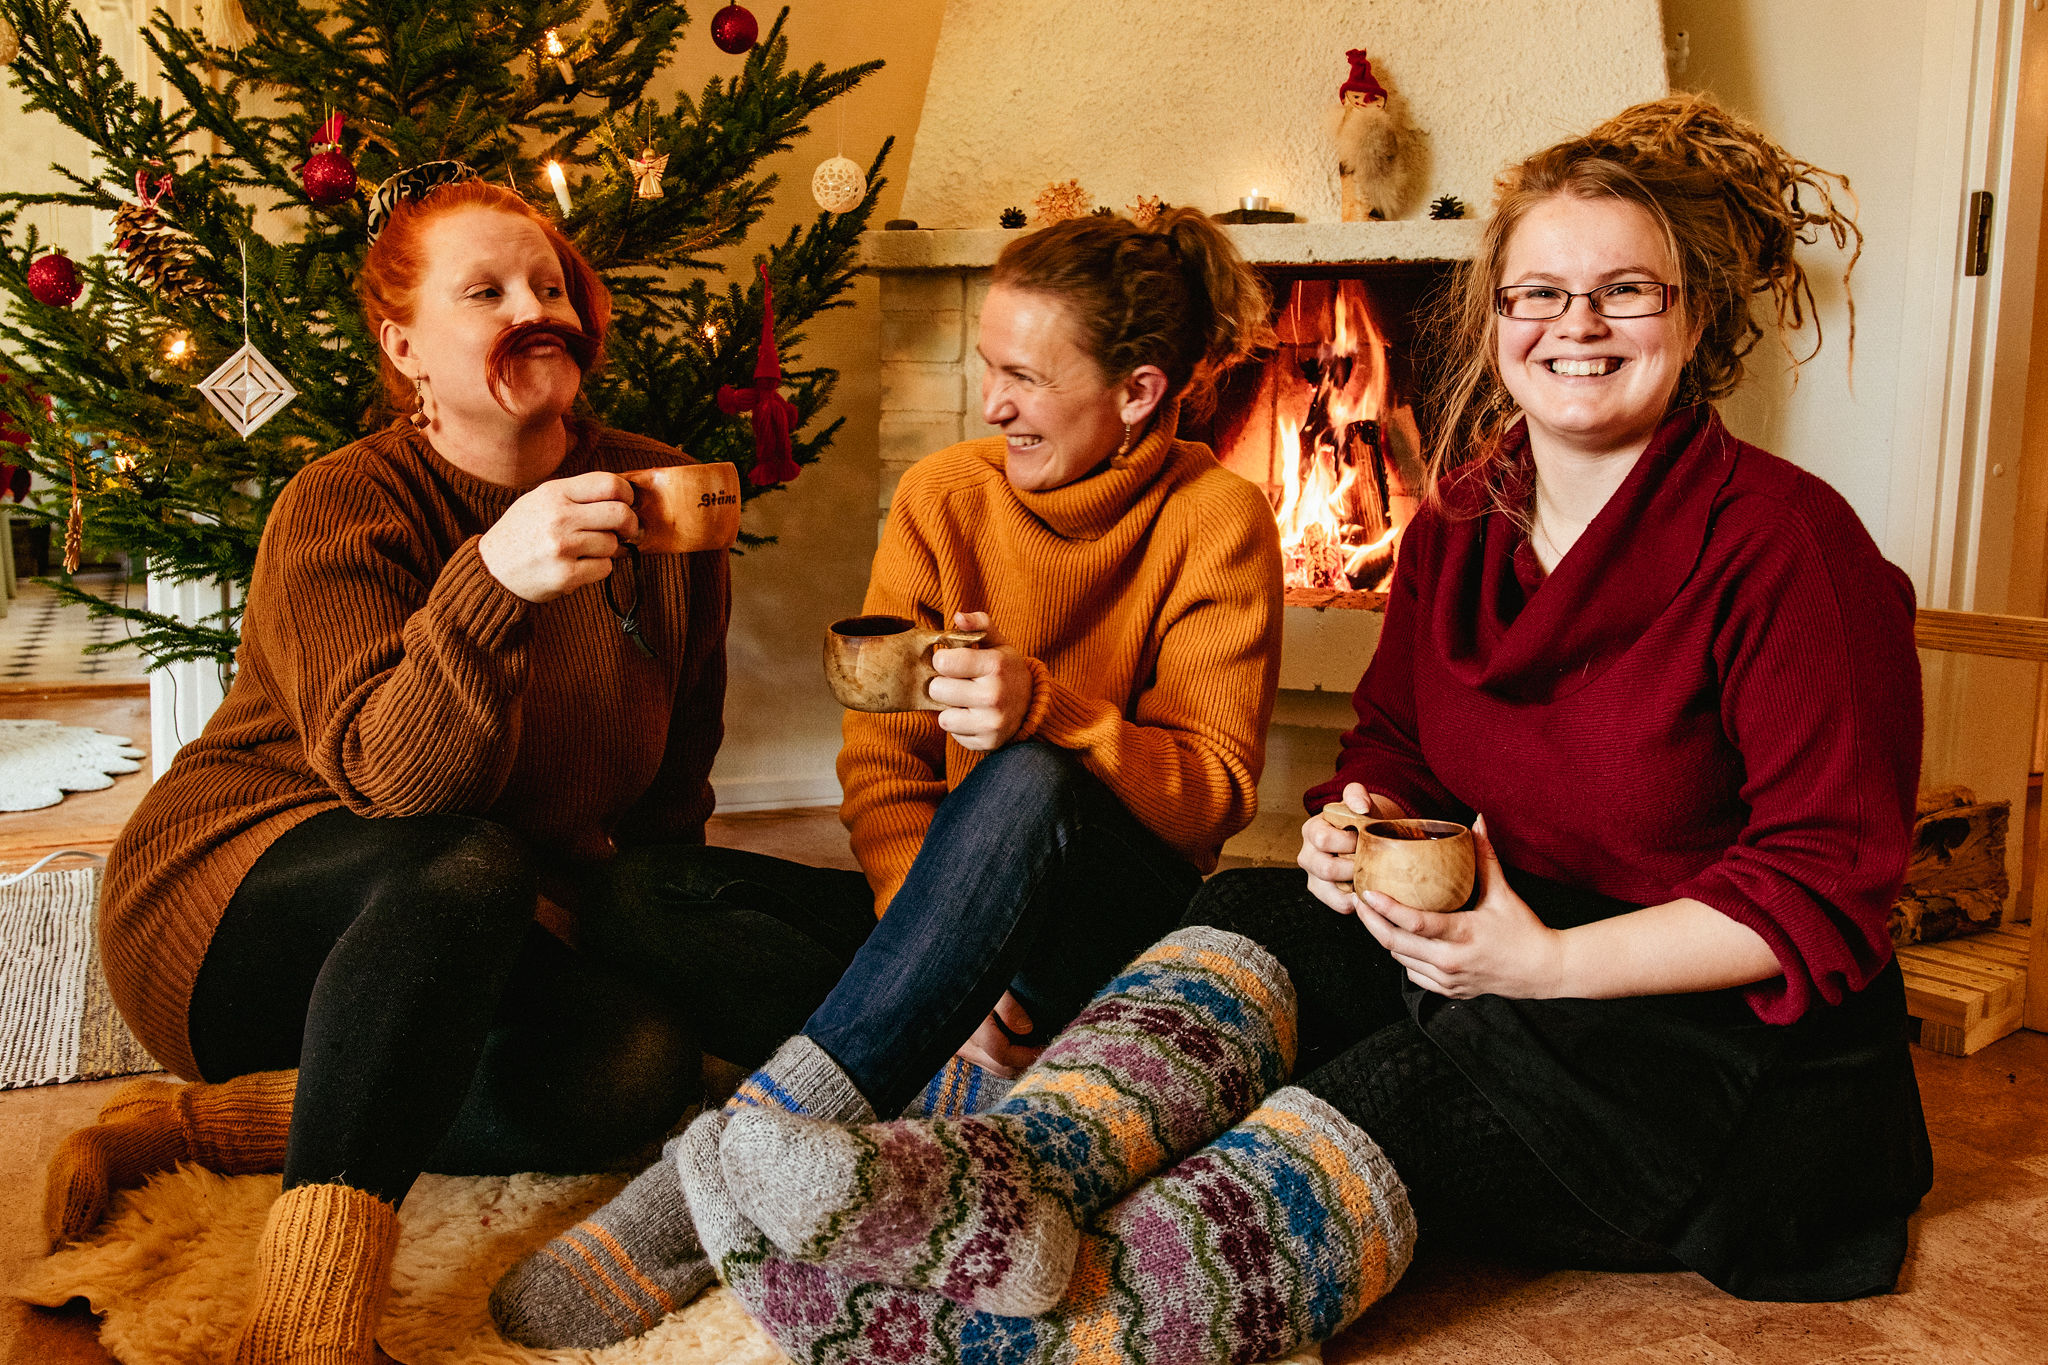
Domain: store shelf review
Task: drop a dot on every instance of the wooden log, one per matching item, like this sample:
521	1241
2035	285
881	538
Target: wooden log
1955	874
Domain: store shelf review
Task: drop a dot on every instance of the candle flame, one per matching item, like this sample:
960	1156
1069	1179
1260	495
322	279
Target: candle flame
553	43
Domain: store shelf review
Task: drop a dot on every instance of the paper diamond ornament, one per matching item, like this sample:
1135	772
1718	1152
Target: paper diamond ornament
247	390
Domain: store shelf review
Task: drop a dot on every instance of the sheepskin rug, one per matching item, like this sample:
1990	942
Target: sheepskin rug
169	1271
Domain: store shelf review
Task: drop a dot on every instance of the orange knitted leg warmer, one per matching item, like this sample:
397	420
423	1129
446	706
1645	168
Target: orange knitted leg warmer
323	1271
237	1127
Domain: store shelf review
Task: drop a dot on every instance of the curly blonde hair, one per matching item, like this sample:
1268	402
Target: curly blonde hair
1732	205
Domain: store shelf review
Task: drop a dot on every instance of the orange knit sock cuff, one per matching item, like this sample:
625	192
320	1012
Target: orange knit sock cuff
241	1126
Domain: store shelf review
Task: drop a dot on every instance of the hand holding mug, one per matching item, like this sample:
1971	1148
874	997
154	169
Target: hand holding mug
560	536
985	690
684	508
1498	947
1327	846
884	663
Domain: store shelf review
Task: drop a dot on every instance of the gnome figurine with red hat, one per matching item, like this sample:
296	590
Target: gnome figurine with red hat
1375	151
774	416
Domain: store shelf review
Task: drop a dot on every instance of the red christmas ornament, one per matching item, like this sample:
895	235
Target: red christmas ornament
54	281
774	416
735	29
328	175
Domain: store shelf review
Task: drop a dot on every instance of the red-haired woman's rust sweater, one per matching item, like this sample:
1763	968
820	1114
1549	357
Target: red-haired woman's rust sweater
1147	597
384	669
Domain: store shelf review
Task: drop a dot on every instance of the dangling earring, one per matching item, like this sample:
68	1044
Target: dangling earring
1125	448
419	419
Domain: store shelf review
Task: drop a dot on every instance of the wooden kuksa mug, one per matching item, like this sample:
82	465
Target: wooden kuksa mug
884	663
1424	864
684	508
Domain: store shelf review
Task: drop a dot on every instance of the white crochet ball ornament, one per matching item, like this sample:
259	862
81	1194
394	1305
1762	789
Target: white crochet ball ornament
838	185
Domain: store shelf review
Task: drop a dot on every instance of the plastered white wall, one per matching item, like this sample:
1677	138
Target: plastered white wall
1838	83
1205	101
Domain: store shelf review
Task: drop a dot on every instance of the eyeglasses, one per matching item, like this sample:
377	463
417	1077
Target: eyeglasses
1623	299
626	573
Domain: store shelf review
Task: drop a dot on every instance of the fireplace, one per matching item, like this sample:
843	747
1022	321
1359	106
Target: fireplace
1329	424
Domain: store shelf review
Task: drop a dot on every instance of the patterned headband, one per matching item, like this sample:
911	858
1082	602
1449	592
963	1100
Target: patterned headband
414	182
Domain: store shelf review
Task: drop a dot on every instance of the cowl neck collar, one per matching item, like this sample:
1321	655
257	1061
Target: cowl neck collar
1626	567
1089	507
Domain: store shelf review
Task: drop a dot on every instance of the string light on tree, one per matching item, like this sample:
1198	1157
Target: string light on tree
177	346
735	29
560	185
552	45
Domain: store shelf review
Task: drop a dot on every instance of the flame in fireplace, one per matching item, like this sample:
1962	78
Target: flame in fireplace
1337	481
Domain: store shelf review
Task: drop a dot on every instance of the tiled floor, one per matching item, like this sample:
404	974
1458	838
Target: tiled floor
1974	1292
43	639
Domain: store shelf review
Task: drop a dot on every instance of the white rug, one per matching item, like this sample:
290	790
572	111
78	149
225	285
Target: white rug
169	1274
40	760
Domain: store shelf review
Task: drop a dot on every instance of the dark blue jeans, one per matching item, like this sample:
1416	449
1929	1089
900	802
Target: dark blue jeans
1032	878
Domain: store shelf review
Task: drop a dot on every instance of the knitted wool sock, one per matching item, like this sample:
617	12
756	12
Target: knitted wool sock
960	1088
636	1260
1274	1237
237	1127
323	1271
988	1210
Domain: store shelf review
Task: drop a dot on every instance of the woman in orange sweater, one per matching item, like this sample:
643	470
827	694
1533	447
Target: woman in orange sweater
1023	843
326	908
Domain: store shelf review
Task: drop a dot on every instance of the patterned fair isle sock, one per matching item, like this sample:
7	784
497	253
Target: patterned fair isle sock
636	1260
988	1210
959	1089
1271	1239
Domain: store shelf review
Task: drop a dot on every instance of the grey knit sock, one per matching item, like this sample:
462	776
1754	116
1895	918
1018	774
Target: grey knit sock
612	1276
960	1088
627	1266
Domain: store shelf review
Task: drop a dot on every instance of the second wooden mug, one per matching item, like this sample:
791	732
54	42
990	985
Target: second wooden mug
684	508
884	663
1424	864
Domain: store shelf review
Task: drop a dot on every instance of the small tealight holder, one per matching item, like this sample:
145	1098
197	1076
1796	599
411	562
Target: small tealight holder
1254	203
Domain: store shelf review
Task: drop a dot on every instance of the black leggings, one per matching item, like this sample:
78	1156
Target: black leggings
396	963
1474	1184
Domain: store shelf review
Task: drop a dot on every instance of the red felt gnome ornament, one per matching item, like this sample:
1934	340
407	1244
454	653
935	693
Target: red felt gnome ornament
774	416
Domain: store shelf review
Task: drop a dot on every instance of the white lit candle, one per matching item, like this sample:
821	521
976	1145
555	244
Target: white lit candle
561	185
1253	202
552	44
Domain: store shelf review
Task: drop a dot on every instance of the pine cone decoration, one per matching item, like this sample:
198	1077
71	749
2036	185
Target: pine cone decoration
158	256
1013	217
1447	206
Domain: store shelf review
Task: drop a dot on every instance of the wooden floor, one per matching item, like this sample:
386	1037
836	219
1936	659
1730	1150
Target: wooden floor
1975	1290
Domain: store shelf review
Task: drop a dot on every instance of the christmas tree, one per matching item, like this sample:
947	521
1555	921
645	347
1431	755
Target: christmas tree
108	383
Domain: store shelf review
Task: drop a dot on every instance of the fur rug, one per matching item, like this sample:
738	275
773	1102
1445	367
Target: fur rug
170	1269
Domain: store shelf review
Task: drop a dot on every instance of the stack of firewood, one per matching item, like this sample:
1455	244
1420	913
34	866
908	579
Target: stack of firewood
1955	878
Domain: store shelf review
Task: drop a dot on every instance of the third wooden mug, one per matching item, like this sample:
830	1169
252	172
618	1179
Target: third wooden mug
884	663
1424	864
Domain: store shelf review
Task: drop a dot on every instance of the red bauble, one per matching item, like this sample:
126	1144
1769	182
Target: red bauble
54	281
329	177
734	29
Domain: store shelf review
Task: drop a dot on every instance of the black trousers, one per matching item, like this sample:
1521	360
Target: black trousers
1474	1184
396	963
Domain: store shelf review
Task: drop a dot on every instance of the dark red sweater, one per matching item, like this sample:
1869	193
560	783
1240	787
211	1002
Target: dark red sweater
1715	695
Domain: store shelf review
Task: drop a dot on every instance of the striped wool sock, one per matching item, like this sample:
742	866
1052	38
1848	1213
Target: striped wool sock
959	1089
237	1127
988	1210
636	1260
1271	1239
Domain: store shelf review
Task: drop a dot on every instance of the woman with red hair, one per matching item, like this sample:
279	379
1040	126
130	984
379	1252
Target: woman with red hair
328	912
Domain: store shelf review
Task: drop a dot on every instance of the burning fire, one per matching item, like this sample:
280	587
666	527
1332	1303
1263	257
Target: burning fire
1340	497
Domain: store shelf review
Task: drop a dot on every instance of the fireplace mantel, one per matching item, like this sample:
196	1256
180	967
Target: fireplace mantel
1262	244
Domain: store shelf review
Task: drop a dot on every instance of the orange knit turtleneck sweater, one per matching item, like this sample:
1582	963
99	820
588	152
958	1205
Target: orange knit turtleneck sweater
383	669
1146	596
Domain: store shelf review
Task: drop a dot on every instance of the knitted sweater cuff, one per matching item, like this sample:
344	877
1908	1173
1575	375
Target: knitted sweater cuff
1035	712
468	598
